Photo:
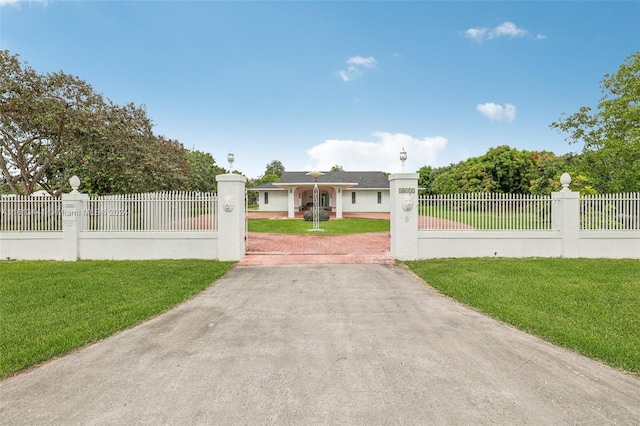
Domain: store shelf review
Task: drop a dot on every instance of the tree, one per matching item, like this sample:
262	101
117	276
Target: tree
502	169
424	179
610	159
40	115
275	167
205	171
122	155
337	168
55	125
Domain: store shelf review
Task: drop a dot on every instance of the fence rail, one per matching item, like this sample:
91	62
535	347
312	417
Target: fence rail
485	211
26	213
610	211
150	212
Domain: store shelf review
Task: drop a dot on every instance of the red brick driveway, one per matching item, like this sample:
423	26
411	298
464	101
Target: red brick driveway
284	249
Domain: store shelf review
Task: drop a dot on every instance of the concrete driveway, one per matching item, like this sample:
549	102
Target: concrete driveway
321	344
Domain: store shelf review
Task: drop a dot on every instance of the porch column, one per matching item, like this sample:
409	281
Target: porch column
403	192
338	192
291	203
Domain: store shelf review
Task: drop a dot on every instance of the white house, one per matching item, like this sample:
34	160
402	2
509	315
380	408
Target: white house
339	192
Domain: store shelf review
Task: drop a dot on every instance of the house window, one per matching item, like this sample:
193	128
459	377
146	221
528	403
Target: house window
353	198
266	198
379	197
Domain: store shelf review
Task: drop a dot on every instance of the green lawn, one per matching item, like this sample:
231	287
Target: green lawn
51	308
490	220
330	227
591	306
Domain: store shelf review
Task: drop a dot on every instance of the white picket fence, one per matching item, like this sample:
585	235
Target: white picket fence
516	212
484	211
562	225
173	211
610	211
152	212
25	213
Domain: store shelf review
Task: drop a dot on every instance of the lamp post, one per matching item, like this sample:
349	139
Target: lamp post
230	159
316	201
403	157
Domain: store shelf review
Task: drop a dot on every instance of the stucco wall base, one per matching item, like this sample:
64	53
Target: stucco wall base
147	245
609	244
452	244
31	245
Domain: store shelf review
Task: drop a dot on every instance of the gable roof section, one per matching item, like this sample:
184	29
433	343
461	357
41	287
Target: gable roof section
359	180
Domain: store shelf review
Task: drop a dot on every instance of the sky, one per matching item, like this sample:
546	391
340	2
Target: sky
315	84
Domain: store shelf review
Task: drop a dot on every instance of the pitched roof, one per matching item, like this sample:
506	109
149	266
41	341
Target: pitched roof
360	180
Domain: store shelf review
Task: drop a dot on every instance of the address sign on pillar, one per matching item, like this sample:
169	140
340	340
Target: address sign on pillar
406	190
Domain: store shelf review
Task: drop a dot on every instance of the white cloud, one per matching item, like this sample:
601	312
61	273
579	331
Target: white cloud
476	33
506	29
498	112
369	62
356	64
17	2
380	154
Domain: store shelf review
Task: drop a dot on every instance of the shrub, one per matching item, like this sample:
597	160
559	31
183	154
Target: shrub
323	215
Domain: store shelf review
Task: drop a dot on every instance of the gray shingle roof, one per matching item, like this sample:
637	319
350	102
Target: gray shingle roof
364	180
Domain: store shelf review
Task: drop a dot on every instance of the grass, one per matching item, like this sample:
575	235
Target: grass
330	227
590	306
52	308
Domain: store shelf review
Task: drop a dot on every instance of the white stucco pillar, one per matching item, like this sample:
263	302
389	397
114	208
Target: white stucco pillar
74	213
565	217
231	217
403	191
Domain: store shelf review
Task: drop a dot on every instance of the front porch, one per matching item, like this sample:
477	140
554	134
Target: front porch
301	200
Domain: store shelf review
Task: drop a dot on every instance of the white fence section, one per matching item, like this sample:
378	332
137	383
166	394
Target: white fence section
153	212
491	225
22	213
484	211
170	225
610	211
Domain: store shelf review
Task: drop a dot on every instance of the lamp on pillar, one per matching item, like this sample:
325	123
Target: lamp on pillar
403	157
230	159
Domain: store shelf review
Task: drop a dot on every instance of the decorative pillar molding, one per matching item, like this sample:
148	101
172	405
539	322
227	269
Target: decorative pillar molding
74	213
403	192
231	217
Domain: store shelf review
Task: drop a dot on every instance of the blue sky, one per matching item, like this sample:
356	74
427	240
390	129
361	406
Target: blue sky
315	84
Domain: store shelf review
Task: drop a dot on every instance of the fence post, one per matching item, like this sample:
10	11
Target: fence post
403	189
74	208
565	217
231	217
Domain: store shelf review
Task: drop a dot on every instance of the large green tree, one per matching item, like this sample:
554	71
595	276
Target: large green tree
40	117
275	167
610	159
205	171
55	125
502	169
